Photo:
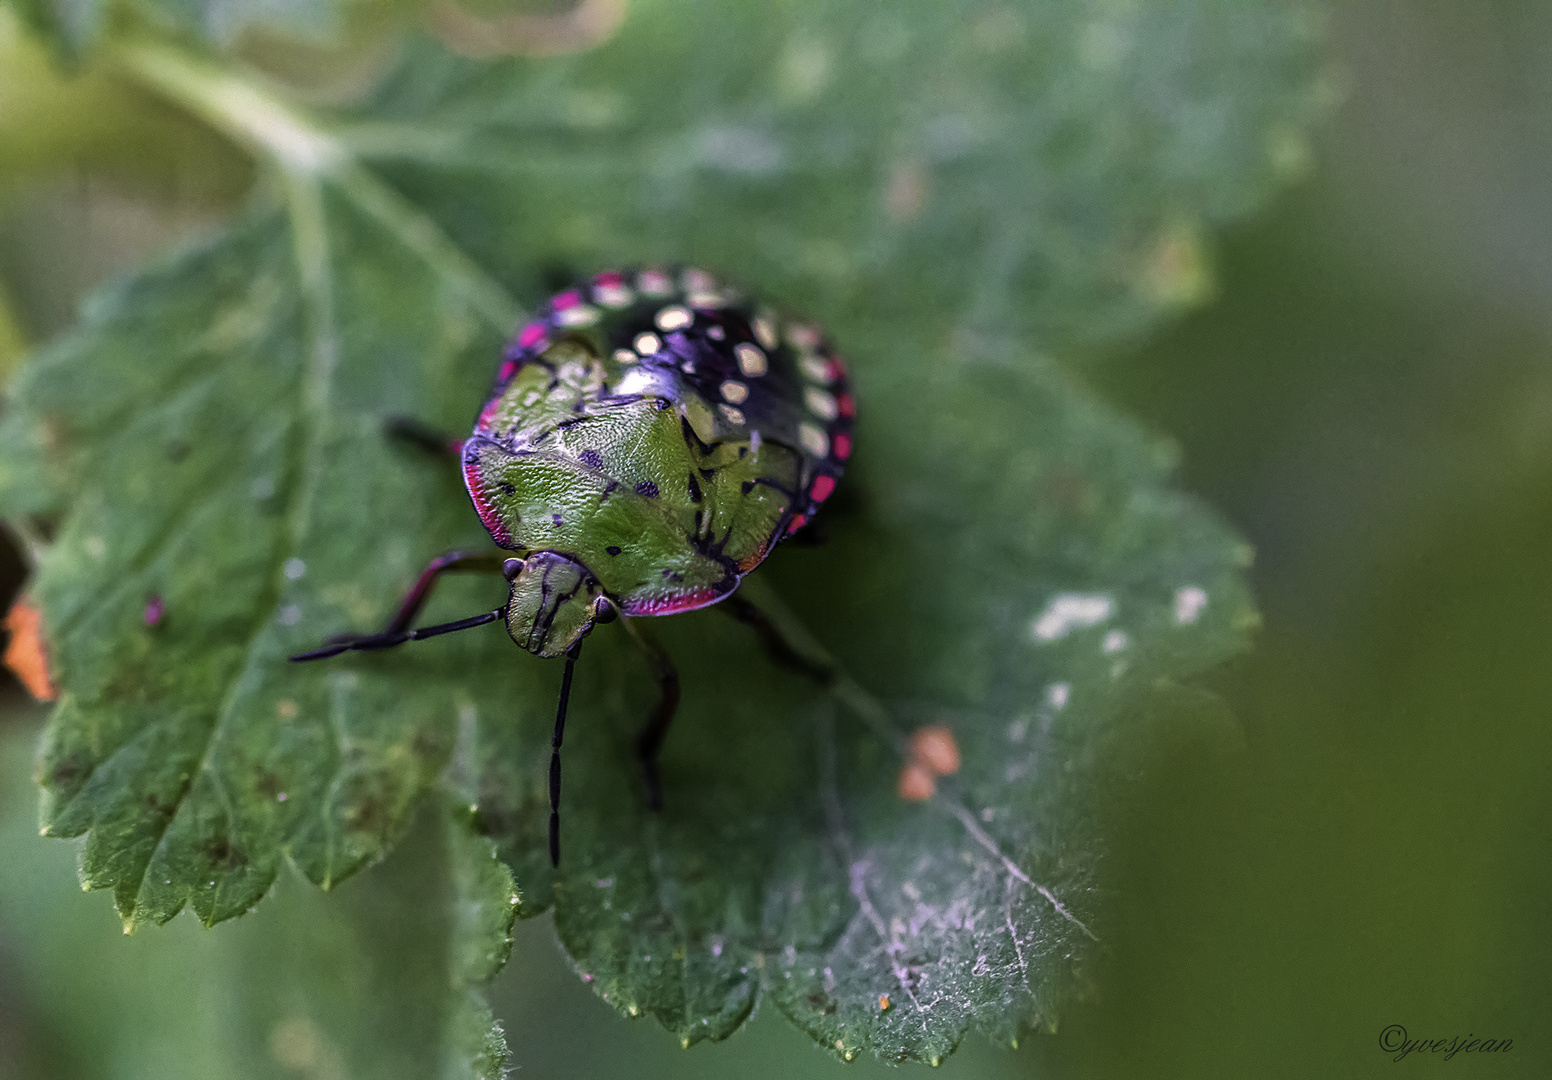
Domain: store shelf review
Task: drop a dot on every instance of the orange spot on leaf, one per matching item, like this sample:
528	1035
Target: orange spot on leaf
917	784
883	1002
25	655
934	747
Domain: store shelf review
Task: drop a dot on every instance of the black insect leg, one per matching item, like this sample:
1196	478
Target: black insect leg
650	741
423	436
780	651
452	562
398	631
555	741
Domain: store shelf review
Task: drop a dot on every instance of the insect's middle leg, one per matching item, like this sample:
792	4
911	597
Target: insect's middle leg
650	741
780	651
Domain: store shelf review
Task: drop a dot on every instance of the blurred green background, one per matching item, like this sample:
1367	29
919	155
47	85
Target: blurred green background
1368	398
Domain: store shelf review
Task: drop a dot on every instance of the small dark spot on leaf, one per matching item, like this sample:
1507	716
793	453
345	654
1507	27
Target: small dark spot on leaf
158	808
70	771
506	488
592	459
613	549
556	519
427	744
747	486
369	815
221	852
267	783
647	488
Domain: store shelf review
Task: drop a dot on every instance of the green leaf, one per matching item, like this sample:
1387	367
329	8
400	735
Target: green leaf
1046	171
378	979
1008	558
381	979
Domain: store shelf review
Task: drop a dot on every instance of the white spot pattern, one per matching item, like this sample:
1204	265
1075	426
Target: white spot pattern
751	361
814	440
1189	602
821	403
674	317
816	369
765	330
613	296
1069	611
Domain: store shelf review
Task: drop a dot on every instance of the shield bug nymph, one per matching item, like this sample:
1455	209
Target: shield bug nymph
649	440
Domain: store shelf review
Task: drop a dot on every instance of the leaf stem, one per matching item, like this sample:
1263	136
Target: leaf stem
278	132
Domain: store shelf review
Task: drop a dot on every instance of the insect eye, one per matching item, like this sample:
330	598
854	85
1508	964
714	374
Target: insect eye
511	568
604	610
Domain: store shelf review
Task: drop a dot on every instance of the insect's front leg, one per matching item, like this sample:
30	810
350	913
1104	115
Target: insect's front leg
398	631
780	651
650	741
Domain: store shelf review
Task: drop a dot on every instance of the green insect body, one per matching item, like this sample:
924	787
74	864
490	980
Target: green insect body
660	438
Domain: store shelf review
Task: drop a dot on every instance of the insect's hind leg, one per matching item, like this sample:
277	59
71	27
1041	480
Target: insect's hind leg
650	740
781	652
423	436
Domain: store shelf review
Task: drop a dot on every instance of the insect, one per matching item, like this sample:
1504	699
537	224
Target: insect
650	438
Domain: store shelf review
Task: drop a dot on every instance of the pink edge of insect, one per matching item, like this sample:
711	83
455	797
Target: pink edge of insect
797	522
508	369
672	605
568	299
610	279
154	610
846	405
493	524
531	335
823	485
841	445
487	414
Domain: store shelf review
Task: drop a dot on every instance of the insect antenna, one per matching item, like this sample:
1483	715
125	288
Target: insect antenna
555	741
373	642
